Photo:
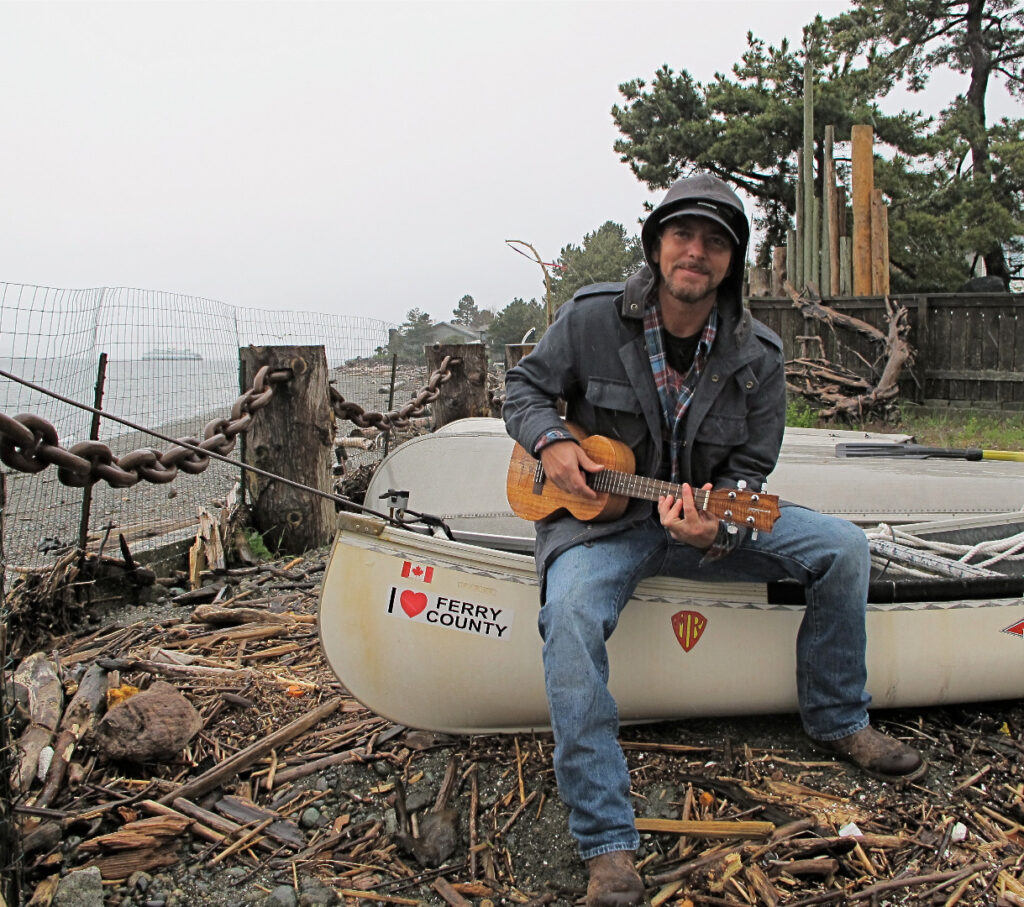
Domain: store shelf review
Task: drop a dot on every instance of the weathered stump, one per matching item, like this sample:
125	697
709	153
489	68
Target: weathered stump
293	437
464	394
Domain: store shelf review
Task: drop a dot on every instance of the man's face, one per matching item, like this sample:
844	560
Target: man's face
694	255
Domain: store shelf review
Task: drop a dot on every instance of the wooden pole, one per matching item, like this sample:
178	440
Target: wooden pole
829	285
797	247
863	180
778	269
845	266
792	257
516	351
809	233
879	245
94	434
464	394
293	437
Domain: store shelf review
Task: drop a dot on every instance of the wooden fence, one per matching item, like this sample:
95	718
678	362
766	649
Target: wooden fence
969	348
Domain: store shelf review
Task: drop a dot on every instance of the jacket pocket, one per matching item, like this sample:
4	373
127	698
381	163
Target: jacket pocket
617	411
718	430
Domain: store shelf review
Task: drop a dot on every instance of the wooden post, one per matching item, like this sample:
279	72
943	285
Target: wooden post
829	248
863	179
879	245
778	269
464	394
758	282
293	437
809	238
845	266
516	351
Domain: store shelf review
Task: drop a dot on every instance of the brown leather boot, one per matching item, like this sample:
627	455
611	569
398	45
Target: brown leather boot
879	756
614	881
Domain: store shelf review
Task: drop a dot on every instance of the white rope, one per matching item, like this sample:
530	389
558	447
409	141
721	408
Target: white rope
993	551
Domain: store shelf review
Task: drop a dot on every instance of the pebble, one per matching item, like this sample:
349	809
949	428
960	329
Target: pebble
311	818
282	896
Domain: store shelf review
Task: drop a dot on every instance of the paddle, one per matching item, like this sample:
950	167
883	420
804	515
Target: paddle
869	449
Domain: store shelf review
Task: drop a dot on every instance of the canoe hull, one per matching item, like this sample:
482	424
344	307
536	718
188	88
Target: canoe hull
458	473
443	636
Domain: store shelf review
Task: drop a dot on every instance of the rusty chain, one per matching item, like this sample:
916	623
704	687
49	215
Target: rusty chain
29	443
396	418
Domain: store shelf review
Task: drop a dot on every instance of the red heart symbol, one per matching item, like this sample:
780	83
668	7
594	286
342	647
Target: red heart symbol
413	602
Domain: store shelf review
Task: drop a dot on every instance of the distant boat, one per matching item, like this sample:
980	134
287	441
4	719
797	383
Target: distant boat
170	352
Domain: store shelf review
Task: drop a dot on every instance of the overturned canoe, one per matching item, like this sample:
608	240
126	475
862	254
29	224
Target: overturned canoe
442	635
458	474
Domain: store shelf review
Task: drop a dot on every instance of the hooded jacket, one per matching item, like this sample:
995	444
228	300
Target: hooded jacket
595	357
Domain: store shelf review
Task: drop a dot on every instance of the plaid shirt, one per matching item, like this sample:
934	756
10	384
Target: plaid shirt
675	390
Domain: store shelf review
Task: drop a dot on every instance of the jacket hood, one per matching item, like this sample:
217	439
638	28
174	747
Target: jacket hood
710	197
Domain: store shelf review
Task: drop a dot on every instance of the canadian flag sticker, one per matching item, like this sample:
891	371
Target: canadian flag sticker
688	627
1016	629
417	571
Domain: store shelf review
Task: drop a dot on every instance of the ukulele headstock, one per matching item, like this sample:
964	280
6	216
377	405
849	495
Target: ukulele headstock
755	510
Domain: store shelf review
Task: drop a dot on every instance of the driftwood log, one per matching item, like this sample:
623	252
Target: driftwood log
835	391
37	676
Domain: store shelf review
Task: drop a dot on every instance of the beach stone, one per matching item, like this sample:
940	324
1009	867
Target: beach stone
311	818
153	725
318	897
81	888
282	896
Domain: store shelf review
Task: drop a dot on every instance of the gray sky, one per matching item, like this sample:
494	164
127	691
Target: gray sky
358	158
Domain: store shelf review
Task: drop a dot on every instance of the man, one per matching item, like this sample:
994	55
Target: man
672	365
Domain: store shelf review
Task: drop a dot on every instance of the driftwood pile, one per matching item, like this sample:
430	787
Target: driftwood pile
217	737
836	392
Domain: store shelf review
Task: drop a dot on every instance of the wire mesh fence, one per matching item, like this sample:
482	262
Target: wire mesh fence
172	366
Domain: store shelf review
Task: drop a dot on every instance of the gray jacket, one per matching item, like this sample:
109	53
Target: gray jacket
595	357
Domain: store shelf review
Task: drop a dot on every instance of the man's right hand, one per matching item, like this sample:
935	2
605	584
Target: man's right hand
566	464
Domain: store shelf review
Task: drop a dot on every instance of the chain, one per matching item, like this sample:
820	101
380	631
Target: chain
396	418
29	443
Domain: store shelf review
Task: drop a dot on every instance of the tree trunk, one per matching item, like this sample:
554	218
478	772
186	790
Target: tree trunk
977	136
464	394
293	437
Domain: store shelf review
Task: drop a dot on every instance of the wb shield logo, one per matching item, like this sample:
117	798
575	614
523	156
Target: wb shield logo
688	627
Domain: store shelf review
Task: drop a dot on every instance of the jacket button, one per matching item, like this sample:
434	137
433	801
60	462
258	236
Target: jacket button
714	378
750	385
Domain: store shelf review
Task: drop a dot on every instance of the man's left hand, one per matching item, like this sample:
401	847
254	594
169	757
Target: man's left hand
684	522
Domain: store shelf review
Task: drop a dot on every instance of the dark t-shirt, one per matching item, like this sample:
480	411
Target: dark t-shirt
679	351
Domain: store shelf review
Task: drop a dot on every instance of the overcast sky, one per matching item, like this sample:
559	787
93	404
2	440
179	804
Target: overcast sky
357	158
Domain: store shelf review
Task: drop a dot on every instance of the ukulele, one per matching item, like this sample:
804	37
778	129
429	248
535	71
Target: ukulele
533	498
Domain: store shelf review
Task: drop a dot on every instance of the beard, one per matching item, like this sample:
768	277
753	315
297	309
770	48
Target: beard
693	286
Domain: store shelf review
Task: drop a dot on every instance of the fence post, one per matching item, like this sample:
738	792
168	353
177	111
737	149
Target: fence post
516	351
94	433
464	394
292	437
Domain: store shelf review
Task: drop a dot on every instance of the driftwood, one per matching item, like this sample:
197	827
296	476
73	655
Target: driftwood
79	716
37	676
139	846
274	715
836	392
234	764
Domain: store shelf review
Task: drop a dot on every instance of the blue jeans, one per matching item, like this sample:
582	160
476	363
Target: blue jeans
827	555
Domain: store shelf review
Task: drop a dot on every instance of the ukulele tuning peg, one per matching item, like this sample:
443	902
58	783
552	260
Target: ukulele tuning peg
741	484
764	488
753	535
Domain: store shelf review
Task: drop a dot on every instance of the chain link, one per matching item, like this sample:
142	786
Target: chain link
29	443
396	418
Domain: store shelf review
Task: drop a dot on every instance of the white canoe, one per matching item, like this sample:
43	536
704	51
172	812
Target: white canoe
458	474
443	636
